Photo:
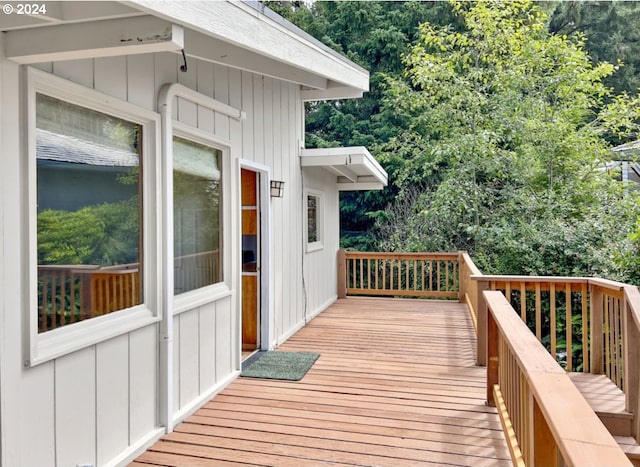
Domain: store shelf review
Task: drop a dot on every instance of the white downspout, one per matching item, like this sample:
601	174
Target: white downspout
165	106
165	101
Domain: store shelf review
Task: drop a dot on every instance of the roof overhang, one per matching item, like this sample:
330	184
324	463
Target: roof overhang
242	35
355	167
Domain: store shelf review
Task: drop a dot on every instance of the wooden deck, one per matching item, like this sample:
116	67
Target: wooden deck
395	385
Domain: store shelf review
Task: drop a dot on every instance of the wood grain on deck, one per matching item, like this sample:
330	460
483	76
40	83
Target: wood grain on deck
395	385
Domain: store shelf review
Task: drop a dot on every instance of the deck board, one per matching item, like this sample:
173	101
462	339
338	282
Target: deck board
395	385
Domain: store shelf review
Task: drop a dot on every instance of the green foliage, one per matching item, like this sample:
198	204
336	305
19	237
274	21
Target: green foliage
504	138
612	33
104	234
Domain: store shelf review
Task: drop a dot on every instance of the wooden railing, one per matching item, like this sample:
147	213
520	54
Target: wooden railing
569	324
545	418
590	325
426	275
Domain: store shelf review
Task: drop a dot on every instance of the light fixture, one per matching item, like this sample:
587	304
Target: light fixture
277	189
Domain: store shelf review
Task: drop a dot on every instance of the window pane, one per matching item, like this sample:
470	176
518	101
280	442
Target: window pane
89	219
312	219
197	196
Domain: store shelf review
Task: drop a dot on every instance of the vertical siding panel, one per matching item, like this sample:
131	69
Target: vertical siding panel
37	423
21	421
258	118
111	76
294	163
140	76
143	377
235	126
207	337
75	403
224	329
246	105
187	110
206	117
221	93
78	71
189	361
273	113
299	226
285	159
166	71
176	363
112	394
276	205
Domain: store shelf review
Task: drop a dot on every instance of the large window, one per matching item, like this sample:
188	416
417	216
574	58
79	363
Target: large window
197	214
89	212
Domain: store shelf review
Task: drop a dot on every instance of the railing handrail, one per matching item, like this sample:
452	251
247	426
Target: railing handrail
384	254
582	443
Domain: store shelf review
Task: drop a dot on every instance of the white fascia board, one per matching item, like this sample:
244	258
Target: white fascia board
331	93
360	186
127	36
246	27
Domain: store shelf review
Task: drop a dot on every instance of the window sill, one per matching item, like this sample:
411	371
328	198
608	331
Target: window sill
315	246
73	337
195	298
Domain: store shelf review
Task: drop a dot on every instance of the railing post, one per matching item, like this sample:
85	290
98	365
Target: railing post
481	349
595	328
462	276
493	362
631	358
545	450
342	274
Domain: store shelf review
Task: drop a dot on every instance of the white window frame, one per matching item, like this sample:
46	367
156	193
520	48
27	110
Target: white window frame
319	243
42	347
193	298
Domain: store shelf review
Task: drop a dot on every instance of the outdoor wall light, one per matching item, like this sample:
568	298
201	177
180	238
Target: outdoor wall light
277	189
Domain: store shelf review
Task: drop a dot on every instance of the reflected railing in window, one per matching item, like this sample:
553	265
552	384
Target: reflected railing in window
69	294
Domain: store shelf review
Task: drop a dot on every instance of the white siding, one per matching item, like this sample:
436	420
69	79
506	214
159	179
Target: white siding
93	405
321	273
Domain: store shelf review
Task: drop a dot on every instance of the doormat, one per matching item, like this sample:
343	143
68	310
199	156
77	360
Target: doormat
291	366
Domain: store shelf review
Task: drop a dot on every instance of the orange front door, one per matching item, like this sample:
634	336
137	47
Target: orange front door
250	260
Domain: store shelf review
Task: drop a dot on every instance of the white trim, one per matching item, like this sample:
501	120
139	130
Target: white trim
128	455
203	398
320	222
322	307
266	265
115	37
48	345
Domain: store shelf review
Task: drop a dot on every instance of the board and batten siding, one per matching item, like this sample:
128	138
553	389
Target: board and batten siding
99	404
321	274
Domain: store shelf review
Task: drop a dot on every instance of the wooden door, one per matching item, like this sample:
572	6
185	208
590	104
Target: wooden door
250	260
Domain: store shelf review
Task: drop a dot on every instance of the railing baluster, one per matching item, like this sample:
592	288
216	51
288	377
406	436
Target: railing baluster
523	302
586	350
538	312
568	327
552	321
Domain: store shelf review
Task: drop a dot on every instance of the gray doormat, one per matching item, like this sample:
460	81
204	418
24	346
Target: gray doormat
290	366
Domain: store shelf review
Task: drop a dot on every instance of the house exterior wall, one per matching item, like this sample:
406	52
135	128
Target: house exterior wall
101	404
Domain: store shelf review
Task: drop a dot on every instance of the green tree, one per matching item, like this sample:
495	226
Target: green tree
504	146
375	35
612	29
